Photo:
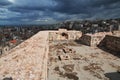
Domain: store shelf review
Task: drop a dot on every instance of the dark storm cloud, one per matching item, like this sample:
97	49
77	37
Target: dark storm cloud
58	10
71	6
4	2
82	6
68	6
29	5
28	8
98	3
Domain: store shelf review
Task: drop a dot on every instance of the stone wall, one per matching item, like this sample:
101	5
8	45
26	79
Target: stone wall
116	33
86	39
111	42
27	61
94	39
64	35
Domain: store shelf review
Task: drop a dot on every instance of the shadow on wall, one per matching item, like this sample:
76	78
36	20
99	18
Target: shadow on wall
111	44
8	78
113	76
79	42
117	54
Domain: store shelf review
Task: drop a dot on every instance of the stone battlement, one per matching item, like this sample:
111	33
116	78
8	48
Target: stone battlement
64	35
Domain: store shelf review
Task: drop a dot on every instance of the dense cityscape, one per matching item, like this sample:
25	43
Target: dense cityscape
11	36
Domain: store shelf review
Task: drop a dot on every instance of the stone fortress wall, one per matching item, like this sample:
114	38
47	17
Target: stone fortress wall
28	61
111	43
63	34
92	40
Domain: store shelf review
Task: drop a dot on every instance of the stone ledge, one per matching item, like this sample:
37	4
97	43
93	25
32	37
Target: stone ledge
27	61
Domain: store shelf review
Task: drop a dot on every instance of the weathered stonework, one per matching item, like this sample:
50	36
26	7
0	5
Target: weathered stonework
86	39
28	61
64	35
116	33
111	43
93	39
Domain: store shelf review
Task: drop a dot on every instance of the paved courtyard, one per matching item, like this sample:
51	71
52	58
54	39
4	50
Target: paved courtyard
70	60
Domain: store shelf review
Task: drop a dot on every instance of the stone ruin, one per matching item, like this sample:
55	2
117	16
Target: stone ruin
111	42
30	57
92	40
63	34
62	53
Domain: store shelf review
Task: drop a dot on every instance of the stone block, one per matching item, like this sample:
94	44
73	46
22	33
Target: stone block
64	57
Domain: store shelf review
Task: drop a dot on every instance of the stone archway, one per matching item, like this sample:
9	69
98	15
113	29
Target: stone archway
64	35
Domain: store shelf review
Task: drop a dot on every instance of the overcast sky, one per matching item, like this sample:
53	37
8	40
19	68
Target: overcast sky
53	11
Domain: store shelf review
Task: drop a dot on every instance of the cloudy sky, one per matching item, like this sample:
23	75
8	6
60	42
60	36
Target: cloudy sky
53	11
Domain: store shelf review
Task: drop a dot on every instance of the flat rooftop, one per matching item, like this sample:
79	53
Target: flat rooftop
82	62
40	58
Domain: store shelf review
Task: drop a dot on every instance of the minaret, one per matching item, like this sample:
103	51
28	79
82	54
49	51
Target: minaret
119	27
111	28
